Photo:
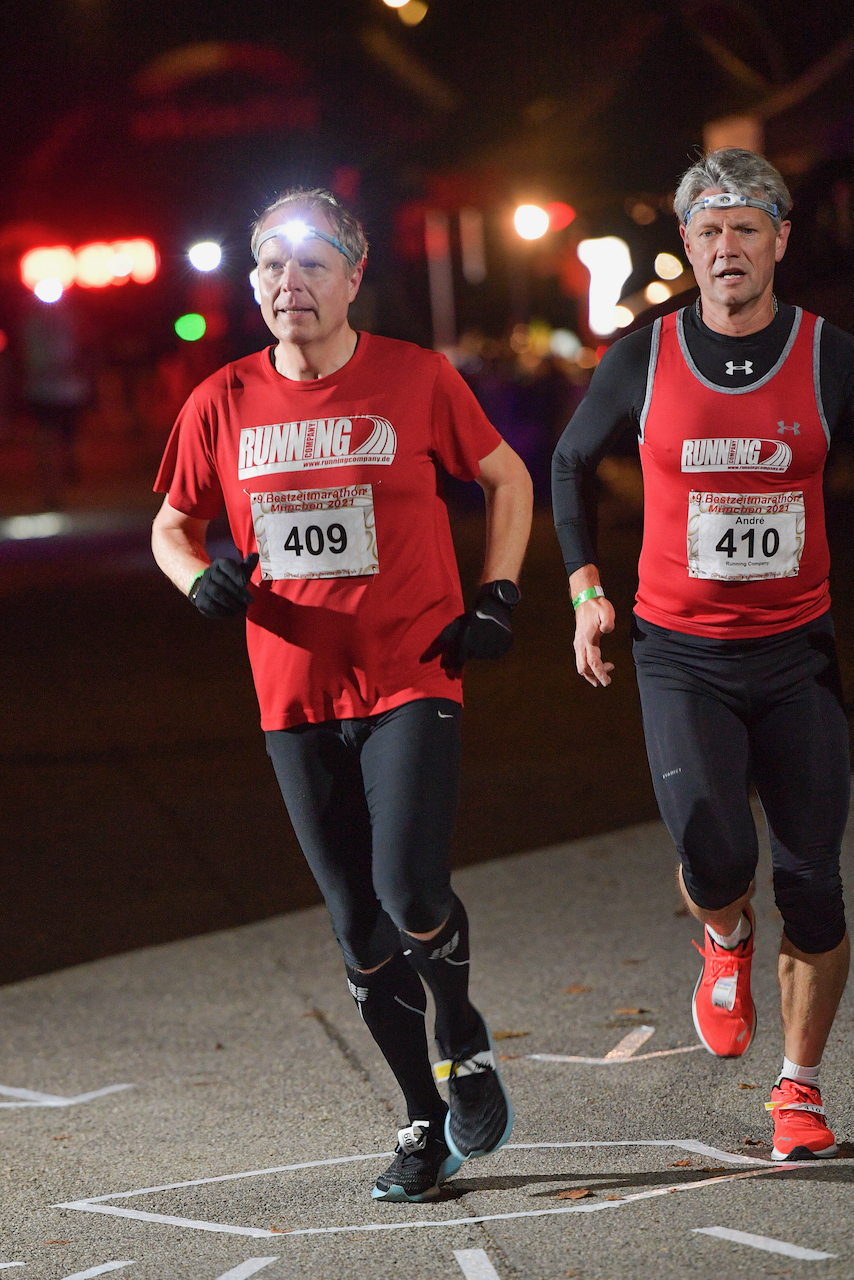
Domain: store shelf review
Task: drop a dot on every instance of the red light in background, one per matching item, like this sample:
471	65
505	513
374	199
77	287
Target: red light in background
56	263
560	215
92	266
4	340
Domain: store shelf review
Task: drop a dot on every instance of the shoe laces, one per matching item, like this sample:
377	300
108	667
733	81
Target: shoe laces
797	1097
464	1064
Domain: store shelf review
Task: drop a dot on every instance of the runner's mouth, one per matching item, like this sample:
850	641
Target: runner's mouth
732	274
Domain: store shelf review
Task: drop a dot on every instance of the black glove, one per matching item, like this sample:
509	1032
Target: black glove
484	632
221	590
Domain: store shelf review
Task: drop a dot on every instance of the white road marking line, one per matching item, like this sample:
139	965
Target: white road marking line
88	1206
625	1051
247	1268
766	1243
630	1044
100	1271
475	1264
32	1098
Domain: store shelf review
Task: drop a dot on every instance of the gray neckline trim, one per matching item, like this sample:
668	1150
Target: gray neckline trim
736	391
816	376
650	376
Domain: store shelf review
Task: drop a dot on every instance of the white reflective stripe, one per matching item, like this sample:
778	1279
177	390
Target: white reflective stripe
248	1268
723	992
766	1243
475	1264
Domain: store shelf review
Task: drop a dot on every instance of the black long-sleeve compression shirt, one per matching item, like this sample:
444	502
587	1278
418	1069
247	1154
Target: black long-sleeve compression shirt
617	391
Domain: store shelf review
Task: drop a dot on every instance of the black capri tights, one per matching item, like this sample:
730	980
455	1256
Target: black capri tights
373	803
720	714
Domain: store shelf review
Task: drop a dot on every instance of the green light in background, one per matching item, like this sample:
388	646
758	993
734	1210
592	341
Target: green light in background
190	327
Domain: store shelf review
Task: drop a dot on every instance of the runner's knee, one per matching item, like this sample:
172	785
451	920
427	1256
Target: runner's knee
810	902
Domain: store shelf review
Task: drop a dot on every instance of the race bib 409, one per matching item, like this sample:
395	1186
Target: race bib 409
745	536
316	533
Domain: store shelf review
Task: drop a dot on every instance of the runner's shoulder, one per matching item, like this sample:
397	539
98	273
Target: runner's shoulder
628	357
837	345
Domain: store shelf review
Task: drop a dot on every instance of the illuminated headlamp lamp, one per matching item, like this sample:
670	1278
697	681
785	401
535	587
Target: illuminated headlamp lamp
297	232
729	200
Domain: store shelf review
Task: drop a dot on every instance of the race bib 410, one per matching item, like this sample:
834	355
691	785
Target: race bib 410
740	537
316	533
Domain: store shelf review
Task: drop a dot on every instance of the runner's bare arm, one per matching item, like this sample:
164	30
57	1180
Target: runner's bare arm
509	498
593	619
178	544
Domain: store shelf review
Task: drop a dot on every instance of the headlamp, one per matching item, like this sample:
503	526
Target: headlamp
729	200
297	231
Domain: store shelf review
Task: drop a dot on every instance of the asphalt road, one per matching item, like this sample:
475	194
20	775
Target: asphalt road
255	1089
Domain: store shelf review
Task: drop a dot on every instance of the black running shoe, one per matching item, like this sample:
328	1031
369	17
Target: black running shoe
481	1115
421	1162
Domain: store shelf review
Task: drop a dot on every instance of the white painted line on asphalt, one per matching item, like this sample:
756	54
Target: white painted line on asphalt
765	1242
625	1051
31	1098
100	1271
475	1264
630	1044
247	1268
97	1205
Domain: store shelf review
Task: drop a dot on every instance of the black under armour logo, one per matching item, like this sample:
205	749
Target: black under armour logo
782	428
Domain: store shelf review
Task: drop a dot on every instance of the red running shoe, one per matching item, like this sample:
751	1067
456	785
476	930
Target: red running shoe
800	1131
722	1006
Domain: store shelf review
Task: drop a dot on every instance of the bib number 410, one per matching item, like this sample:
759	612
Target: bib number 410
770	543
315	542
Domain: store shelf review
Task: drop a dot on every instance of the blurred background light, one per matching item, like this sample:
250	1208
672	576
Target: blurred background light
610	264
656	292
412	13
667	266
48	290
565	343
396	4
45	524
205	256
190	327
560	214
472	245
530	221
56	263
623	316
95	265
92	265
253	280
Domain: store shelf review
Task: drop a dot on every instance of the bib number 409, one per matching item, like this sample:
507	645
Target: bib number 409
770	543
315	541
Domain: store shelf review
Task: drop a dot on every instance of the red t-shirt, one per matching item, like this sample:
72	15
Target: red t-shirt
336	482
734	539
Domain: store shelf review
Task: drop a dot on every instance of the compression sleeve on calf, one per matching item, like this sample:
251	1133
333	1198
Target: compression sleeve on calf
613	402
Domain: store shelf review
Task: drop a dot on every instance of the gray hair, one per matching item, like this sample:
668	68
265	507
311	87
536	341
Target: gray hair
743	173
306	201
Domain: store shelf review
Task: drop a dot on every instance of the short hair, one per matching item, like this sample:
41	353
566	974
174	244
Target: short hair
744	173
306	200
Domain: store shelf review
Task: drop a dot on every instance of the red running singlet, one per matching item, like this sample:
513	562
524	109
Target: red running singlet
734	537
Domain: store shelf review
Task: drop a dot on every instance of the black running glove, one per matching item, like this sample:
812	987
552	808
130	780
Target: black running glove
221	591
484	632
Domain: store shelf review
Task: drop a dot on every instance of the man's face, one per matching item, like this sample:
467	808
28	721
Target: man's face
733	252
305	290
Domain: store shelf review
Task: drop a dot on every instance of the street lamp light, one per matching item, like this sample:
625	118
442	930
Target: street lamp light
531	222
205	256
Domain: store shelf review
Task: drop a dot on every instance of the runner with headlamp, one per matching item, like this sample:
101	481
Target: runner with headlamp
327	450
735	402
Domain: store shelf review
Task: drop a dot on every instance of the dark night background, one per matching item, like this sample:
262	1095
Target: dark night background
138	805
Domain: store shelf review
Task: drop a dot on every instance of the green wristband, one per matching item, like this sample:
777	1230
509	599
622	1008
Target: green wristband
589	593
199	575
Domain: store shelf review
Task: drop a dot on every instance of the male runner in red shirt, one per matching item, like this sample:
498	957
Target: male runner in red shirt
327	451
735	402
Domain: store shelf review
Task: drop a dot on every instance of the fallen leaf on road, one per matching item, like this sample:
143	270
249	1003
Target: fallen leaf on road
752	1142
680	1164
60	1137
281	1231
509	1035
748	1086
57	1242
577	1193
633	1011
575	990
508	1057
633	961
613	1197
